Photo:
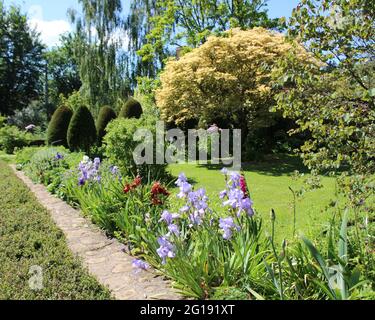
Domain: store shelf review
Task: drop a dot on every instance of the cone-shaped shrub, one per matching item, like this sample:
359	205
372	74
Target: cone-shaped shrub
131	109
81	131
58	126
106	114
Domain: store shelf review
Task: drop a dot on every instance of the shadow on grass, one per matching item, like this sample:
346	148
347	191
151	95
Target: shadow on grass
273	165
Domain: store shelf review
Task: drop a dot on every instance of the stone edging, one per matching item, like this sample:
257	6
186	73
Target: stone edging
105	258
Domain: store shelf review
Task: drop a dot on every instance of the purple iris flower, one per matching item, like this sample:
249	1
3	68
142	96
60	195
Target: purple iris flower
184	209
81	181
181	179
196	217
166	249
168	217
223	194
235	178
89	170
139	264
228	225
185	188
173	229
235	197
114	170
59	156
96	163
247	206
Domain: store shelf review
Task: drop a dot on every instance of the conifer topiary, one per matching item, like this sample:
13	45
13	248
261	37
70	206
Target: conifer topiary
58	126
131	109
82	131
106	114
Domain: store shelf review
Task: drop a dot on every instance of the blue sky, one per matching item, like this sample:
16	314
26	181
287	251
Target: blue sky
49	16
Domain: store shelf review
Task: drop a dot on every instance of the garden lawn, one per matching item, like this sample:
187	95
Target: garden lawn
6	157
269	184
28	237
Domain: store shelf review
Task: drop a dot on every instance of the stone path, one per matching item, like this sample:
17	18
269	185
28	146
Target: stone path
105	258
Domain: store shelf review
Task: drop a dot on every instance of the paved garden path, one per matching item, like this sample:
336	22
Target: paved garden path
105	258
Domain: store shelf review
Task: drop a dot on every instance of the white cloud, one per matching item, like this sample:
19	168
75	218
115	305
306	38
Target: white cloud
51	30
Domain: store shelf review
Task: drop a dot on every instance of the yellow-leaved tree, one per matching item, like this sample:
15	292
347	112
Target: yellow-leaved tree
227	81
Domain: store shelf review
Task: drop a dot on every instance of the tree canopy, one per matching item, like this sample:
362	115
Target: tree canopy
159	27
98	51
21	60
226	80
334	102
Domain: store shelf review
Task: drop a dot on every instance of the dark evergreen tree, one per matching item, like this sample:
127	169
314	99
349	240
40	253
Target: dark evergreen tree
58	126
131	109
106	114
81	132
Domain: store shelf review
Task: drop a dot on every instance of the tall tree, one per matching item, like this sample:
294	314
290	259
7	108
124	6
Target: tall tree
335	100
179	23
138	26
21	60
98	50
63	69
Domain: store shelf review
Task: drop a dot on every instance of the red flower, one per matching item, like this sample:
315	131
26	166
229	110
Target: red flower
136	183
156	190
243	186
156	202
127	188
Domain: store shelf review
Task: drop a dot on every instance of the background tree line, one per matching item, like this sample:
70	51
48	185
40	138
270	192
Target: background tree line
109	50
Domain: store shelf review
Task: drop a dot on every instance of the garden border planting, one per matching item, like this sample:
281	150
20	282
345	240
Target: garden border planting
105	258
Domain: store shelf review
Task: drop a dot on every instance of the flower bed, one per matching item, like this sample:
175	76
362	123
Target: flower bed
208	253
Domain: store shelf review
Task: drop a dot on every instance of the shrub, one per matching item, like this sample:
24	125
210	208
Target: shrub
35	113
58	127
74	101
43	164
81	132
24	155
131	109
3	121
11	138
106	114
119	147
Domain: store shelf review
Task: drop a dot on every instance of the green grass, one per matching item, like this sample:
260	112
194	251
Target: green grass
28	237
9	158
269	184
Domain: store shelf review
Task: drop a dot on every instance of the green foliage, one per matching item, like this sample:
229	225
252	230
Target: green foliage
29	237
331	100
96	46
35	113
145	94
21	60
3	121
12	138
131	109
43	166
74	100
23	156
81	132
106	115
192	22
205	265
120	145
63	70
58	126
